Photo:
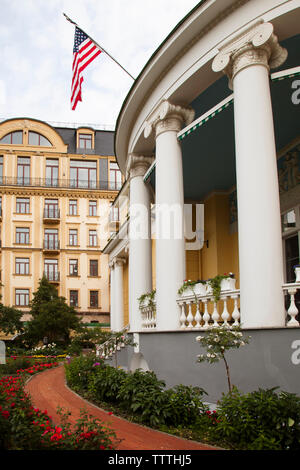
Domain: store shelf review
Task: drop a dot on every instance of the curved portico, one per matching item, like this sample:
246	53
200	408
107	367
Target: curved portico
212	142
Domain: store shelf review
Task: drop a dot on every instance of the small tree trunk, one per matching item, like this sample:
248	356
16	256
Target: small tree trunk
228	375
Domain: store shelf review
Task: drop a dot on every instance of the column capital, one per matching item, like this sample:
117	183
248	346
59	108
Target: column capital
257	45
137	165
119	261
168	117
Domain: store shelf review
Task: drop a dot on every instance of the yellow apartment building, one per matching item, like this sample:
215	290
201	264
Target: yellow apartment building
56	187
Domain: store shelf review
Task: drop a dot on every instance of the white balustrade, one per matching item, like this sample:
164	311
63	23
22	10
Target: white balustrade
148	316
202	311
199	310
292	310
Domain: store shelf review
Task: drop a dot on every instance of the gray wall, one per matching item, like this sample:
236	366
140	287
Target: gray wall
271	359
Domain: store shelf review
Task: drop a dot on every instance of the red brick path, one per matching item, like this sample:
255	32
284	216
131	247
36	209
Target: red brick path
48	390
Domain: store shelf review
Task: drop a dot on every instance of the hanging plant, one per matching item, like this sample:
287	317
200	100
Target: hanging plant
148	296
215	284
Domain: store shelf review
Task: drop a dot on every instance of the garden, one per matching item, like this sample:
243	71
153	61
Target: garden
259	420
264	419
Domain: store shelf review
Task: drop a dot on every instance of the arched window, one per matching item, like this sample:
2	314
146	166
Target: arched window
34	138
13	138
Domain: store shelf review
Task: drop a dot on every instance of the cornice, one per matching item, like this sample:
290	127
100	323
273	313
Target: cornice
59	193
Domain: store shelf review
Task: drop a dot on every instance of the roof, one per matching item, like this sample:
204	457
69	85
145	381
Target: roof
104	141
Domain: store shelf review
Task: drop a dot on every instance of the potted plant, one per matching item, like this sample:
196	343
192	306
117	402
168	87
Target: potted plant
147	300
228	282
219	283
297	272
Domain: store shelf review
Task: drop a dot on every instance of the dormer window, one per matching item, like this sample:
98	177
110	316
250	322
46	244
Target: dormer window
85	141
34	138
15	138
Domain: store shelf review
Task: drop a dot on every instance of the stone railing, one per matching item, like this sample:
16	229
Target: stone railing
148	316
290	291
200	309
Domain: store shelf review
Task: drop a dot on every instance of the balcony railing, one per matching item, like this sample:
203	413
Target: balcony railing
60	183
52	213
51	245
52	276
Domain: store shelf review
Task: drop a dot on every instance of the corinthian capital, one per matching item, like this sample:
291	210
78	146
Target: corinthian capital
168	116
257	45
137	165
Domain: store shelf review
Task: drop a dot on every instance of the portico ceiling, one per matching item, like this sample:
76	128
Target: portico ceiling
209	151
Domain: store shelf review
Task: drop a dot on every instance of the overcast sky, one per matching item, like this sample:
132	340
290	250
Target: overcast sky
37	49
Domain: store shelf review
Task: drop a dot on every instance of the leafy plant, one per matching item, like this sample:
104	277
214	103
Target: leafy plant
217	341
150	296
185	405
259	420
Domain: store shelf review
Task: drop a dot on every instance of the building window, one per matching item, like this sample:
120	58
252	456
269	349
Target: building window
85	141
13	138
83	174
115	176
22	297
51	239
94	299
23	170
92	238
22	205
113	213
73	237
94	267
74	298
72	207
51	172
22	266
34	138
22	235
51	269
51	209
92	208
73	267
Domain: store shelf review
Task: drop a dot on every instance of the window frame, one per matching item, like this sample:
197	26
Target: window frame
19	293
18	263
20	233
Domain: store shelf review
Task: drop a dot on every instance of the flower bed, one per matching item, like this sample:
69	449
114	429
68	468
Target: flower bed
24	427
260	420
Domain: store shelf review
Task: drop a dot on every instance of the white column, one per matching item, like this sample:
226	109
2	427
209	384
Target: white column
140	249
119	304
166	121
112	297
247	61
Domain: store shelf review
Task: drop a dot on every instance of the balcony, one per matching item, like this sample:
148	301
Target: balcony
60	183
52	276
51	215
51	246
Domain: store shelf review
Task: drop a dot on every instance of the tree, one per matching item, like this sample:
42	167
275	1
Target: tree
10	320
52	318
219	340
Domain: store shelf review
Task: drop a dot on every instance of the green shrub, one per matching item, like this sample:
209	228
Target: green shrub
260	420
105	382
78	372
185	405
143	394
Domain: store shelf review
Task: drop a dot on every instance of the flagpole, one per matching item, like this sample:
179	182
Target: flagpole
98	45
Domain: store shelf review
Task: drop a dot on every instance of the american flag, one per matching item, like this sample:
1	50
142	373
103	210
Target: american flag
84	52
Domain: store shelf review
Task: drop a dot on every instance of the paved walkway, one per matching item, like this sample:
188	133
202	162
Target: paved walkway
48	390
